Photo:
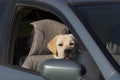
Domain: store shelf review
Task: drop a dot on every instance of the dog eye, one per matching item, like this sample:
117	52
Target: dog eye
72	43
60	44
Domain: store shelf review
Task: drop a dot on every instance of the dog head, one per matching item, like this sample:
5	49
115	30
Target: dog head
63	46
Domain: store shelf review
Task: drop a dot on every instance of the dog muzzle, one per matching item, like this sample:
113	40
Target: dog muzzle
68	54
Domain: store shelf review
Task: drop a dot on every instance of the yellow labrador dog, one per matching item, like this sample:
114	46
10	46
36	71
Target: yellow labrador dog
63	46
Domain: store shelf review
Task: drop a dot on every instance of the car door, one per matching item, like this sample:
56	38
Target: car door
16	42
100	25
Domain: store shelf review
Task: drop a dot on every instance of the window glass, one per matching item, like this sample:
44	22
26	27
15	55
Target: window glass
105	21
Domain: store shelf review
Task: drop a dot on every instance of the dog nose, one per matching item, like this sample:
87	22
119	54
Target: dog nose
67	51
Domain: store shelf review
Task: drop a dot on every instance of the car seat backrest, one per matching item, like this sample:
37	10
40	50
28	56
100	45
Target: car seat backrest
44	31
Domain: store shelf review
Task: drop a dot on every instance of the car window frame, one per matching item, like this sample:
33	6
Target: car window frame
4	29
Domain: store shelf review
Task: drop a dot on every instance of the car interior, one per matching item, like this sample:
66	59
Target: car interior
44	31
26	31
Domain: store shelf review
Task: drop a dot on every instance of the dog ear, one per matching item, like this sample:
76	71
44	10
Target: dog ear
52	46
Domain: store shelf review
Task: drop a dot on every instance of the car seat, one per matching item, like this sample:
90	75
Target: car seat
113	44
44	31
114	49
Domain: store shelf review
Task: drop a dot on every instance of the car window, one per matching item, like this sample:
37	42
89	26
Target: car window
24	31
104	21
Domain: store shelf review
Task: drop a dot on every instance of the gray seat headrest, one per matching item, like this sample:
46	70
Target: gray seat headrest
44	31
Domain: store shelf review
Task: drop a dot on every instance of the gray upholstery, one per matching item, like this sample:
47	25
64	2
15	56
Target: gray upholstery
113	44
44	31
114	49
34	62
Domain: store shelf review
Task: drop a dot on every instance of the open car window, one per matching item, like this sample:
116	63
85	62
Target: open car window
24	30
